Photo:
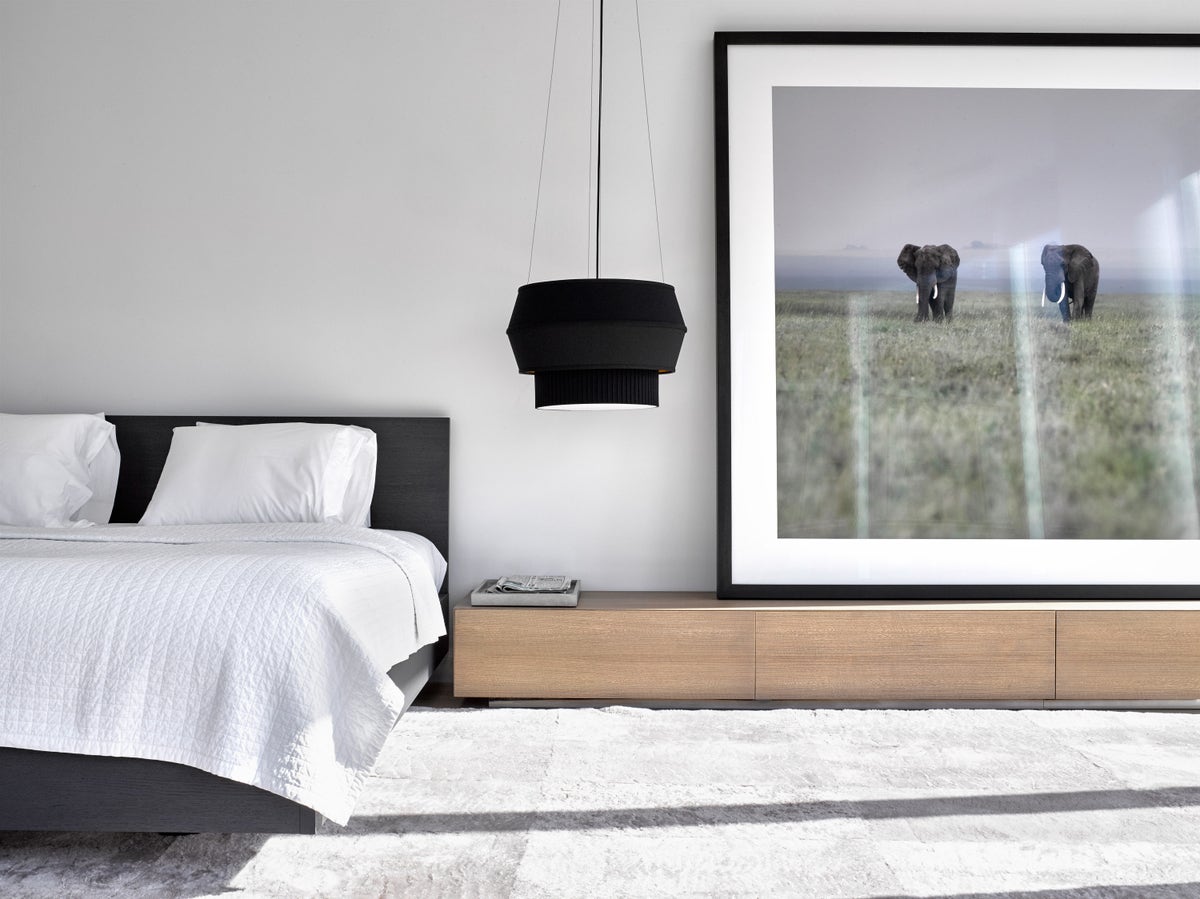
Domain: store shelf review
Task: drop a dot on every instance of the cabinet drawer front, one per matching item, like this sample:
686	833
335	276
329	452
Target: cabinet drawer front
869	655
622	654
1129	655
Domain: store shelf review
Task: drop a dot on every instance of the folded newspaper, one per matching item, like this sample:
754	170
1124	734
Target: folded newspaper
530	590
528	583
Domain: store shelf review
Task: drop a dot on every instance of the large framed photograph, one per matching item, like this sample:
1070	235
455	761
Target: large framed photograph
958	315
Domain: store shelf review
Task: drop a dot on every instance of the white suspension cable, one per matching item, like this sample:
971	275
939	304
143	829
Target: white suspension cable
637	8
545	131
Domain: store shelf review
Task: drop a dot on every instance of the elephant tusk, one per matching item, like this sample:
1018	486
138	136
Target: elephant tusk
918	296
1043	296
935	290
1062	294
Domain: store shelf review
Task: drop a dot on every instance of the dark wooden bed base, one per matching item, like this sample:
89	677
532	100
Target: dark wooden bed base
61	791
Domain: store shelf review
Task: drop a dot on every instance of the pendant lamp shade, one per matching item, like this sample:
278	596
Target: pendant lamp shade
596	342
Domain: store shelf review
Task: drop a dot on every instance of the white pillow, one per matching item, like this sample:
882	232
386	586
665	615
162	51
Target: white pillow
51	466
102	478
291	471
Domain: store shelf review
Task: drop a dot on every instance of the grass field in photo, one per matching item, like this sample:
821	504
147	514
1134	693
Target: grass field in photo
1003	423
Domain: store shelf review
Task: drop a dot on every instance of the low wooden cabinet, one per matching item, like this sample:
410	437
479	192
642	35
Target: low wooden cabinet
692	646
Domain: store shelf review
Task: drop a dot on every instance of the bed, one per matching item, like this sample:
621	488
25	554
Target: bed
41	790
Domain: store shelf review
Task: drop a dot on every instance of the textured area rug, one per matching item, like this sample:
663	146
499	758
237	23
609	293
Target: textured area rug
635	802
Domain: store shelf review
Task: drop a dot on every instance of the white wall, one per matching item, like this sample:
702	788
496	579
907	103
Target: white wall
280	207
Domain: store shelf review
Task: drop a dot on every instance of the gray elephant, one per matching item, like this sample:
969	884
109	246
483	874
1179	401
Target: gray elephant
935	271
1072	278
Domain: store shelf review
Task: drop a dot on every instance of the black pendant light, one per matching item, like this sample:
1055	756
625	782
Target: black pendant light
596	343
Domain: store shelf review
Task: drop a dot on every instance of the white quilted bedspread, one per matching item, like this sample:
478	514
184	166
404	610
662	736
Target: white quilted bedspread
225	647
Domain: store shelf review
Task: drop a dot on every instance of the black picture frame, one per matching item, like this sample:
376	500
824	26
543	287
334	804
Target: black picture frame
1122	59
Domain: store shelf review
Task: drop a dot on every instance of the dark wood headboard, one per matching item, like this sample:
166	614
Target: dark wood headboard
412	478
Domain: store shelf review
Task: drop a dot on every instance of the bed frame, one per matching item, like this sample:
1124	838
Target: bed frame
61	791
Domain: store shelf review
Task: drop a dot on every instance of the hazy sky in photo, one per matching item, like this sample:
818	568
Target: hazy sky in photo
859	172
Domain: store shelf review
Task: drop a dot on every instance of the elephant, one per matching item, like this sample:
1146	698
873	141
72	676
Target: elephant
935	271
1072	275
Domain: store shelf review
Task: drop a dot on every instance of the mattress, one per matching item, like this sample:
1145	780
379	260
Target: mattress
258	653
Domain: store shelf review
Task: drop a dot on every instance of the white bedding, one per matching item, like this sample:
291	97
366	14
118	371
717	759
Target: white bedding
257	652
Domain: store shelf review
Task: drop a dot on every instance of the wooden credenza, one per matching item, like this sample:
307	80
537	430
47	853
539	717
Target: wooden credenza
692	646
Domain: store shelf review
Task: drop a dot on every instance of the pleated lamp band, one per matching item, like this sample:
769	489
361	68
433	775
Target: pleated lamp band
596	387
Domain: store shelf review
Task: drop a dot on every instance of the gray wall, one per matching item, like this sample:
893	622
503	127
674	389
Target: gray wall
322	207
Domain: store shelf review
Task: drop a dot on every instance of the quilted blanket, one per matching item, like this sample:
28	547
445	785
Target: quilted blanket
230	648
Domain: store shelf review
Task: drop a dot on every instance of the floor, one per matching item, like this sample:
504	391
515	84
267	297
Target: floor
620	801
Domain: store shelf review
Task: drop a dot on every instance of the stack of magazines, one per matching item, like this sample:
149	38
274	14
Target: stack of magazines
527	590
